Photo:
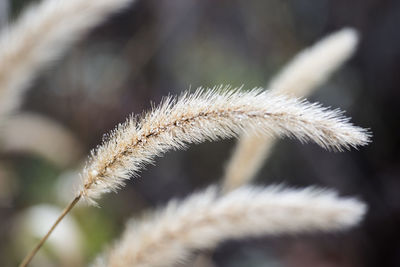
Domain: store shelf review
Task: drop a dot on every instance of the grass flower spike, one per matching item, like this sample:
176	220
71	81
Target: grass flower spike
43	33
204	220
314	65
210	115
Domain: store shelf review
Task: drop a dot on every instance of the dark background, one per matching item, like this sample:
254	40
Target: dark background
163	47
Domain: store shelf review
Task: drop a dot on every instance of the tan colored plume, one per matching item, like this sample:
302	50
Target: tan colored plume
204	220
40	35
211	115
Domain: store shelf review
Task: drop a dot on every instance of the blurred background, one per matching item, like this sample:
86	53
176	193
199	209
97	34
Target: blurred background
156	48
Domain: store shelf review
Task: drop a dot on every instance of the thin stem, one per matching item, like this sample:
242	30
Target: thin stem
29	257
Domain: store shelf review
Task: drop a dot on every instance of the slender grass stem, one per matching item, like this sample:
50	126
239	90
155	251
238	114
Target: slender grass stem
33	252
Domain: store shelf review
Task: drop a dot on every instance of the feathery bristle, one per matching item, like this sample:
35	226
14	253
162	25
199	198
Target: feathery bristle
211	115
204	220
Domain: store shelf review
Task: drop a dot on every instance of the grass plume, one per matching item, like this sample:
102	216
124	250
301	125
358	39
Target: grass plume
210	115
314	65
41	34
300	77
30	133
205	219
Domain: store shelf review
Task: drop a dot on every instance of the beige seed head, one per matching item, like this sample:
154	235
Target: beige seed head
204	220
210	115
